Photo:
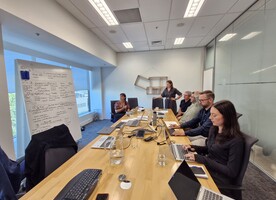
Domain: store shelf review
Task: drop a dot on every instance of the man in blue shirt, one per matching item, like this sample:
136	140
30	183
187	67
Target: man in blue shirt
198	128
11	174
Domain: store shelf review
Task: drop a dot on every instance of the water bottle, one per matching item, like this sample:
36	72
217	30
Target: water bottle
154	118
117	150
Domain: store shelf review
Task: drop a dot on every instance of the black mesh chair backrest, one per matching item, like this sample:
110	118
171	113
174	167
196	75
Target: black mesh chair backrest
55	157
133	102
157	103
249	141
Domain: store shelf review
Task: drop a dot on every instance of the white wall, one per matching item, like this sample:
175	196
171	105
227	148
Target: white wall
51	17
183	66
6	140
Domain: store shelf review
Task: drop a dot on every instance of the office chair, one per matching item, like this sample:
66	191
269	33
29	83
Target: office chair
47	151
133	102
236	188
112	104
157	103
238	115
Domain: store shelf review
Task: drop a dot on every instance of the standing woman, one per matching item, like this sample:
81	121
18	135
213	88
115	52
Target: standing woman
121	107
170	94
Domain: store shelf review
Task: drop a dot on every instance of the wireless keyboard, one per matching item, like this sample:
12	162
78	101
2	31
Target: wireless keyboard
81	186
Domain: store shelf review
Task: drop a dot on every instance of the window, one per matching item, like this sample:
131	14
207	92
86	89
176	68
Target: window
81	82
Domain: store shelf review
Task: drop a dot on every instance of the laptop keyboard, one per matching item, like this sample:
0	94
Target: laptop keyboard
107	142
178	151
209	195
133	123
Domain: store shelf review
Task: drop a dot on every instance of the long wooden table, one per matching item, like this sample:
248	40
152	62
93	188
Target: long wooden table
149	180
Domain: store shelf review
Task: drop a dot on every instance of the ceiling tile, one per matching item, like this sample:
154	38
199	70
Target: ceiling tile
179	31
178	9
157	48
241	5
135	32
189	42
101	35
140	46
122	4
117	37
155	10
156	30
169	43
215	7
203	25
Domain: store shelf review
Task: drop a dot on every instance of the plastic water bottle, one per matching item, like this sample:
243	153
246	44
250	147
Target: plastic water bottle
117	150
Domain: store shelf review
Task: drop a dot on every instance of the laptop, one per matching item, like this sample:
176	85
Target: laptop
105	142
135	122
185	185
106	130
177	149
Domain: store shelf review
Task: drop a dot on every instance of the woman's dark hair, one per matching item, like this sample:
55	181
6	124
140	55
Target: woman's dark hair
231	127
124	95
170	82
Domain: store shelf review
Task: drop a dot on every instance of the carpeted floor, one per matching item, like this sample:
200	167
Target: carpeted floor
257	185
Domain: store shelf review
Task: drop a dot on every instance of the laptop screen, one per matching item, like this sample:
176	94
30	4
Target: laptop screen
184	184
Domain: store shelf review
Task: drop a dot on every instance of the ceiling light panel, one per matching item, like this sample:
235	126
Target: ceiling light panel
178	41
193	8
251	35
104	11
128	45
227	37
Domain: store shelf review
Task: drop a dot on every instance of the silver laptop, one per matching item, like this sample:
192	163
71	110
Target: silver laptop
135	122
106	130
177	149
185	185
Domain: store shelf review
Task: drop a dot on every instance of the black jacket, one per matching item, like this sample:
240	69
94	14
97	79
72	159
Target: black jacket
57	137
223	160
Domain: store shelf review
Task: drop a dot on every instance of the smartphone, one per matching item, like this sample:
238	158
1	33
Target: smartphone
140	134
103	196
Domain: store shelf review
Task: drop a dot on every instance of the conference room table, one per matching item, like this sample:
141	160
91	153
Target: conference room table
140	165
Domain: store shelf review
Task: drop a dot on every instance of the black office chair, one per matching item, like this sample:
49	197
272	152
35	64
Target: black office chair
236	188
238	115
133	102
112	104
157	103
46	152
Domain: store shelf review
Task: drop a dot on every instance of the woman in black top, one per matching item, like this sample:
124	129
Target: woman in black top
223	154
169	93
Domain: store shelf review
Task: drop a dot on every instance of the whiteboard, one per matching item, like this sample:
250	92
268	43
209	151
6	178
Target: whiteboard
208	79
48	97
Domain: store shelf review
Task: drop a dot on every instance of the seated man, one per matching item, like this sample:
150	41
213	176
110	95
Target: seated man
11	174
198	128
193	110
184	104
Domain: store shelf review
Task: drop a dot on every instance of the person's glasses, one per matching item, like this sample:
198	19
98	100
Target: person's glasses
201	100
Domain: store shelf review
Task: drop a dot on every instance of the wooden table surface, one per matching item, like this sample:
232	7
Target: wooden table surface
149	180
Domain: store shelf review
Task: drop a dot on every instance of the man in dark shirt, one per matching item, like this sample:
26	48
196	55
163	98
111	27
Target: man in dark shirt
184	104
198	128
11	174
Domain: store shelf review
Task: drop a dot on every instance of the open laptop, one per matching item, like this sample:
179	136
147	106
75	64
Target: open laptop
177	149
185	186
135	122
105	142
106	130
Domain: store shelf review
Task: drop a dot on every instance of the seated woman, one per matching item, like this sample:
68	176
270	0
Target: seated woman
121	107
223	154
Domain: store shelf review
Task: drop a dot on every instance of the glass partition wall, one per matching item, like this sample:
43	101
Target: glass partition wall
245	73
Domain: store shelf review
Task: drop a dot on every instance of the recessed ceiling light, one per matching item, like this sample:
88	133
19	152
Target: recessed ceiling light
193	8
128	45
227	37
104	11
251	35
178	41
